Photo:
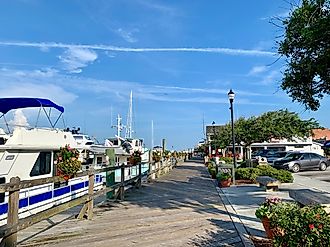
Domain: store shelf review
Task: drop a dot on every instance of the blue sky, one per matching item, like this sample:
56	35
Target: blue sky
180	58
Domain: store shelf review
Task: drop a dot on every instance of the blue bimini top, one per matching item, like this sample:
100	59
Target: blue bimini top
7	104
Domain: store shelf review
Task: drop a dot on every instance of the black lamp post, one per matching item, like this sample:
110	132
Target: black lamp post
213	128
231	96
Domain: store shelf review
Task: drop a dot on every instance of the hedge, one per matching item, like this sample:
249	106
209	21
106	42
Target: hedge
264	170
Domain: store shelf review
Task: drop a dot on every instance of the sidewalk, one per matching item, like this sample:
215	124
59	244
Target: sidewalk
245	199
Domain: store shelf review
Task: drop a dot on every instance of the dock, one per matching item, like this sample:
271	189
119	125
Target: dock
181	208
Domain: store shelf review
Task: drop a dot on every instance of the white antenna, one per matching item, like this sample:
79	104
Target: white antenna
152	134
119	126
129	131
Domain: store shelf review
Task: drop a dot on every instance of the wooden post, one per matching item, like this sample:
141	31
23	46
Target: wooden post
90	203
139	182
122	185
87	209
12	218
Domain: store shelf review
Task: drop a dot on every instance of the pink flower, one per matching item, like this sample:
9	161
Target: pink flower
311	226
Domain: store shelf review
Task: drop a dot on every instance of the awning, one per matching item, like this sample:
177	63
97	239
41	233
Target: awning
7	104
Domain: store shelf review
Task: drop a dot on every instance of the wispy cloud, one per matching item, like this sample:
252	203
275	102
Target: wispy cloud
54	86
227	51
128	35
159	7
271	77
75	58
257	70
19	83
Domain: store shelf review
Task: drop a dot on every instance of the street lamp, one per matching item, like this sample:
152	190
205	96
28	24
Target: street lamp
231	96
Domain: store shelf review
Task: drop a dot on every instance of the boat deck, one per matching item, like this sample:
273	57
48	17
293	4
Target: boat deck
181	208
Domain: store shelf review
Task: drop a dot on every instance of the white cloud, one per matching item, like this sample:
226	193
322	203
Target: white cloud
271	77
15	83
19	119
54	86
75	58
220	50
257	70
127	35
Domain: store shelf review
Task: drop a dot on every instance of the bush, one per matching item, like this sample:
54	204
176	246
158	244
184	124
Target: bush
248	164
264	170
307	226
227	160
221	176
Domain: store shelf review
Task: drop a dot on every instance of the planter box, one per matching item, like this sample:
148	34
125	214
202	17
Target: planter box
225	183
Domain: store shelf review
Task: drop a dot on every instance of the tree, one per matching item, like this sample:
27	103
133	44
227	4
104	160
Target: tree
306	45
281	124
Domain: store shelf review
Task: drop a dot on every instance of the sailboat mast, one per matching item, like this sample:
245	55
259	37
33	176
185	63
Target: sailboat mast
129	117
152	134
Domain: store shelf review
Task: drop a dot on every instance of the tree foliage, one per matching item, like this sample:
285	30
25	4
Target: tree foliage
274	124
306	45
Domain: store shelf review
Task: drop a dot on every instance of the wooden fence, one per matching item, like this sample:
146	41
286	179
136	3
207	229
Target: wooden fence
8	232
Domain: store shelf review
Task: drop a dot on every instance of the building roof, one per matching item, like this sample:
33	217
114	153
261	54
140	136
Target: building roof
321	134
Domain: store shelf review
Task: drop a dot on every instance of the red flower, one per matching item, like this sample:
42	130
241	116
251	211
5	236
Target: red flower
311	226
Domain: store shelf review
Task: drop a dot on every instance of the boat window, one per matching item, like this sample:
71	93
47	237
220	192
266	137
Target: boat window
78	137
42	165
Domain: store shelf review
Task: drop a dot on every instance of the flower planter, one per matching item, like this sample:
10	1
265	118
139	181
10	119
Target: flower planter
266	223
225	183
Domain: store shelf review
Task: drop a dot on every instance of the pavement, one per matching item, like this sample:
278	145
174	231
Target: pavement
243	200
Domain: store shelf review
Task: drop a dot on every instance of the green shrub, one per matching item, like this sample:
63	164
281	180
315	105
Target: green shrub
264	170
227	160
221	176
243	173
284	176
212	171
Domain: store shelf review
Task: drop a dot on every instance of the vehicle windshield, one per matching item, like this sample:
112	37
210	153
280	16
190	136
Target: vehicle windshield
292	156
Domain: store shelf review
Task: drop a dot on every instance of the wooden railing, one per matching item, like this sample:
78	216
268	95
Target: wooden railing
8	232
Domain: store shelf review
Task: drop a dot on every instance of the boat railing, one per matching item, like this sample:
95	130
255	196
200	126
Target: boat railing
8	232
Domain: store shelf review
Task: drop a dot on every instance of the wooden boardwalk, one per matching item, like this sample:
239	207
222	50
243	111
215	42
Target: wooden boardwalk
181	208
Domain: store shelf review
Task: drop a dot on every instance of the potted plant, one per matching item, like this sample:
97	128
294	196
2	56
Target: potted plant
264	213
224	179
156	156
135	157
306	226
67	162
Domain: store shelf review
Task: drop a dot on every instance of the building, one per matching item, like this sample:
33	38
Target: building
321	135
296	144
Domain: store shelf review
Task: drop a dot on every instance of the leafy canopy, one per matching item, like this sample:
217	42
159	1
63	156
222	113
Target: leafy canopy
274	124
306	45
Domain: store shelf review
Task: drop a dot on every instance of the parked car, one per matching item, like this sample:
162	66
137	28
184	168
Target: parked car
302	161
261	153
271	157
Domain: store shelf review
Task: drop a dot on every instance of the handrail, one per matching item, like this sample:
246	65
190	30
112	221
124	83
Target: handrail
14	224
24	184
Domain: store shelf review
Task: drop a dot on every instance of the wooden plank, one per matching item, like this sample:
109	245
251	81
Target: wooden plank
165	213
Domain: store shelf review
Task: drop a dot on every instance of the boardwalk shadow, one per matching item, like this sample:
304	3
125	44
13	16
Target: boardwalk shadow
190	188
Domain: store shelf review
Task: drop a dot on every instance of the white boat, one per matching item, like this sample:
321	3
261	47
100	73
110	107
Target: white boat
29	154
